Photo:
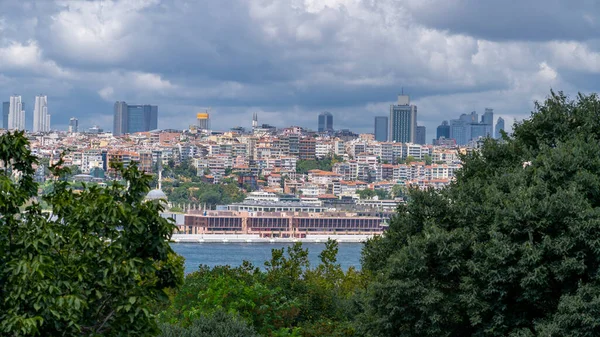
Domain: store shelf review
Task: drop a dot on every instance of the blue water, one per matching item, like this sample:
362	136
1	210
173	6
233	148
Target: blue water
233	254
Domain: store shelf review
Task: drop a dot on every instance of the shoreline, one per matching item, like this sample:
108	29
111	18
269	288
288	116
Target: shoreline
255	238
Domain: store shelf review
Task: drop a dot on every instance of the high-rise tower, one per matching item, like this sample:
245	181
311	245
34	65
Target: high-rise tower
73	125
381	128
16	114
41	118
134	118
325	122
5	112
403	121
203	119
499	127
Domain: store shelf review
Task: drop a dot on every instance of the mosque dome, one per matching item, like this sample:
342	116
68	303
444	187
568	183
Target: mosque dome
156	194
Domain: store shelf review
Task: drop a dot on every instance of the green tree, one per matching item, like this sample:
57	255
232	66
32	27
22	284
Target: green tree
427	159
98	266
366	193
510	248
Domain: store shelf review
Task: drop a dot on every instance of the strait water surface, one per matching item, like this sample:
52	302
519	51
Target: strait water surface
233	254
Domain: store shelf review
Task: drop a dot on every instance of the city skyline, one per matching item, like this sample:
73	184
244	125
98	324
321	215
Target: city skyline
290	61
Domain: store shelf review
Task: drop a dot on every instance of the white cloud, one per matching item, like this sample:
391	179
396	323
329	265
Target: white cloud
107	93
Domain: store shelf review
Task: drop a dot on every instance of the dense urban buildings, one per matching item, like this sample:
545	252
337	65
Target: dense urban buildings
381	128
134	118
468	127
16	114
5	112
325	122
73	125
41	118
403	121
499	127
421	135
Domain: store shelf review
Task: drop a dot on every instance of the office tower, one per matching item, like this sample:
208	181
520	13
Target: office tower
460	131
41	118
325	122
120	118
420	138
254	121
381	128
403	121
499	127
488	120
73	125
134	118
443	130
16	114
5	111
203	120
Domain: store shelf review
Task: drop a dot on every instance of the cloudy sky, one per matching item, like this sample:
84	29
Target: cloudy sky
288	60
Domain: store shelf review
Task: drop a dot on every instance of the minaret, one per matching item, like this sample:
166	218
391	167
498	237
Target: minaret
160	174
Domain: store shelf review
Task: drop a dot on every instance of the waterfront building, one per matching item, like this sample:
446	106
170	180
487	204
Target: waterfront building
279	224
325	122
381	128
403	121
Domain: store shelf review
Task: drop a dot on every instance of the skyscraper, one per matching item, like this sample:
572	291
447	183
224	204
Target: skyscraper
403	121
73	125
134	118
381	128
325	122
16	114
203	120
421	132
499	127
5	111
488	121
443	130
120	118
41	118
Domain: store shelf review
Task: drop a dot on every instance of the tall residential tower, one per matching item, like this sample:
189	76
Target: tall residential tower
41	118
16	114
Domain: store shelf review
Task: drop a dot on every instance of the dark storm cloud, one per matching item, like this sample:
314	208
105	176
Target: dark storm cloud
532	20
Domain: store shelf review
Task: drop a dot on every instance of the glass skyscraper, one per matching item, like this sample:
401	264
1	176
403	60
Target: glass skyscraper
381	128
325	122
499	127
134	118
5	112
443	130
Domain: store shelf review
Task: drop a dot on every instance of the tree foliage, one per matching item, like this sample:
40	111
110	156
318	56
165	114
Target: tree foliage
289	298
96	266
511	248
